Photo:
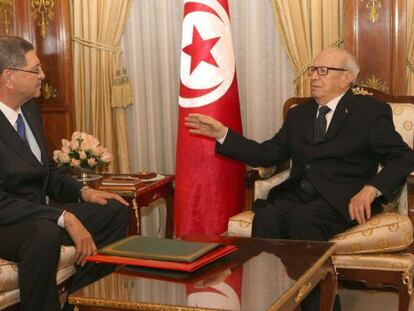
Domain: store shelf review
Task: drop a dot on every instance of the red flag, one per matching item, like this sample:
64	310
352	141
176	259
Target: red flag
209	188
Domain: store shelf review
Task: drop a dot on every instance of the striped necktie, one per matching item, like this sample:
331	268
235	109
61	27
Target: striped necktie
320	124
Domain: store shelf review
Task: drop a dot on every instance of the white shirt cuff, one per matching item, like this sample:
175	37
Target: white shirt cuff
379	193
61	220
221	140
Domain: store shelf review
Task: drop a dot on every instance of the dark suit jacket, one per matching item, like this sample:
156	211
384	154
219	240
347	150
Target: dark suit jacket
361	135
24	181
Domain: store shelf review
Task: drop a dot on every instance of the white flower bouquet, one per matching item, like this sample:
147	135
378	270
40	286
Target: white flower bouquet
82	151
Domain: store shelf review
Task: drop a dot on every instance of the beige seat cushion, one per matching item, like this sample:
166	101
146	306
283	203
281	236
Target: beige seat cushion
8	269
383	233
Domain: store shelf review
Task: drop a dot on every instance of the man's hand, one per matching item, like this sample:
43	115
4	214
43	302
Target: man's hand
100	197
360	204
84	244
205	125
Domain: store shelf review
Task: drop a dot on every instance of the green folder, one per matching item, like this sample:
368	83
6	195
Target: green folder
158	249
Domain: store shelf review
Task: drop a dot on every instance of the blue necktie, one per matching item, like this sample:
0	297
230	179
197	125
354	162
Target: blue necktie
21	128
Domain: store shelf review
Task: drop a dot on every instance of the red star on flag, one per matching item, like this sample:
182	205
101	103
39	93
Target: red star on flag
200	50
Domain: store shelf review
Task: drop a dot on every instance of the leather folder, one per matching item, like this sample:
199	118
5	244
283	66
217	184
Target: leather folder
158	248
207	258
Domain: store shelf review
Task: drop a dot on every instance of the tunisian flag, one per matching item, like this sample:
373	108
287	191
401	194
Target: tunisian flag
223	293
209	188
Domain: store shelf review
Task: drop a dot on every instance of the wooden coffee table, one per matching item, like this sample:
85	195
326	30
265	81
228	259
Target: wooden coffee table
263	274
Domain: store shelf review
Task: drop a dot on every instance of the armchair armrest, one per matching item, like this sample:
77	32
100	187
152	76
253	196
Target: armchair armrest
254	179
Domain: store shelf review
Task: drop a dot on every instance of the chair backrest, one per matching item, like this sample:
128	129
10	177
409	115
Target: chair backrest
403	117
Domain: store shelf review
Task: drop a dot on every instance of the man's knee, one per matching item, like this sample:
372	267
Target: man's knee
43	239
304	226
298	219
268	223
262	217
120	212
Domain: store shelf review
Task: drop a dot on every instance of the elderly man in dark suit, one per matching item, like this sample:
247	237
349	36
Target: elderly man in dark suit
30	231
336	142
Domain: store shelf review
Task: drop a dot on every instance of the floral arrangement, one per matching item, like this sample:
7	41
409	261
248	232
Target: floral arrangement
82	151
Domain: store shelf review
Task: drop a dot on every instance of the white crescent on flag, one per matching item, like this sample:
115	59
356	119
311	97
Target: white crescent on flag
219	296
205	76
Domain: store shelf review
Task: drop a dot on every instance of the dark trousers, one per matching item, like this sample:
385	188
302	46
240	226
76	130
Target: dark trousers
297	215
35	246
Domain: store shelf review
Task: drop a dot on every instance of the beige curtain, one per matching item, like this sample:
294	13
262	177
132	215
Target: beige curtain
410	44
307	26
101	86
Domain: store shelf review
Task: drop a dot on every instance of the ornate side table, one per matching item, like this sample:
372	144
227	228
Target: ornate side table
143	194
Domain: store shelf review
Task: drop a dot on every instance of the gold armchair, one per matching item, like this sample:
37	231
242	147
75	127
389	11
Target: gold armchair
377	252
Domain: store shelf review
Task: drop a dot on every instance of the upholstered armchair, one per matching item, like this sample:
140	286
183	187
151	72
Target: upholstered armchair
9	288
378	252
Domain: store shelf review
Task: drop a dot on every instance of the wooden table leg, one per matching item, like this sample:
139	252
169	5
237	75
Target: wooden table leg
329	287
134	217
169	204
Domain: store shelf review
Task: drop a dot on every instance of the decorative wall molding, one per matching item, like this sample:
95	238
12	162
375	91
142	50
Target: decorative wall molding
5	8
373	6
49	91
375	83
43	9
410	65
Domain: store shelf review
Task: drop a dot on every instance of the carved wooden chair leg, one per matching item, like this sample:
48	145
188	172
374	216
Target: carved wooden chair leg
405	290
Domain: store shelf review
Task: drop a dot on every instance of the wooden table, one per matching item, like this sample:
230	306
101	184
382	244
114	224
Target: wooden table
263	274
143	194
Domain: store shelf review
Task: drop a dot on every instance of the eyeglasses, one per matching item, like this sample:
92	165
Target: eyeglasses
37	70
322	70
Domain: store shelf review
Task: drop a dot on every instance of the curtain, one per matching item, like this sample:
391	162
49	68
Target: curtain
410	45
307	26
263	69
101	86
152	53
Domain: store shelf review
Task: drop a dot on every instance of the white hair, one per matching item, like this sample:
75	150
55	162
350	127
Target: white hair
351	64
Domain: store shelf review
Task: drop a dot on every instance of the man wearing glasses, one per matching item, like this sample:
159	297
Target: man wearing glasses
30	231
336	142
